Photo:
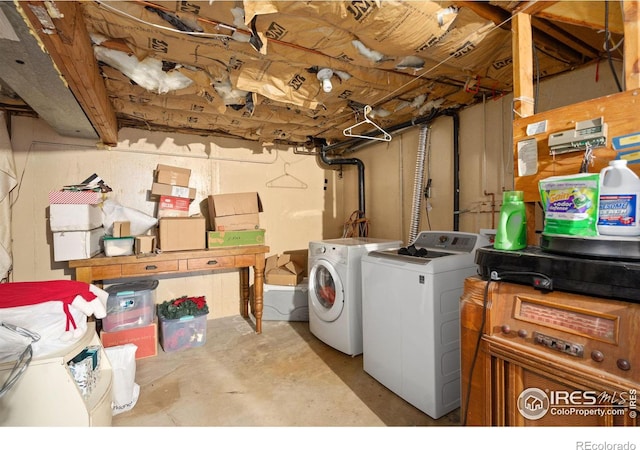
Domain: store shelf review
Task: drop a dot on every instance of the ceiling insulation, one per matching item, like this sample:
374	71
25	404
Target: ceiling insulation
255	69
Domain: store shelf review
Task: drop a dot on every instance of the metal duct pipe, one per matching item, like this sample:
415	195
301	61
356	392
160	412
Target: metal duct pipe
418	183
349	161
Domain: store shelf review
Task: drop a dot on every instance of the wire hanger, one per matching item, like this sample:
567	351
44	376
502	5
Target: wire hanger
286	180
367	110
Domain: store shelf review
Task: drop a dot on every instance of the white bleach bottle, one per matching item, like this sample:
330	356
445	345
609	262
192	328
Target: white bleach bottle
618	213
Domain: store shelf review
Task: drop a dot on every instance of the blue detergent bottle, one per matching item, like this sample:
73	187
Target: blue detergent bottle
618	210
511	233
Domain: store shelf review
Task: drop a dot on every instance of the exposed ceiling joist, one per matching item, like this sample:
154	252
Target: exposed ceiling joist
62	30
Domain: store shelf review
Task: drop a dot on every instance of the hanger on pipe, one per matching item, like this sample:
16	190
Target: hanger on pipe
287	181
367	110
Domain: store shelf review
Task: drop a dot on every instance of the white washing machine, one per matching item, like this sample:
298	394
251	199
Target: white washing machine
335	288
411	317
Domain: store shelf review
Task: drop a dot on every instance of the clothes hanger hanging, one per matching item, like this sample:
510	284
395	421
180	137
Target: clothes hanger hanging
367	110
286	180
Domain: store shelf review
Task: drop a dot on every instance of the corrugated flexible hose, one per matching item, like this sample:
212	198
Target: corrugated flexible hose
418	183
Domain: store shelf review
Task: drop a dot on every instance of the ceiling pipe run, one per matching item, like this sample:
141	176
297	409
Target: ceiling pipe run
456	169
349	161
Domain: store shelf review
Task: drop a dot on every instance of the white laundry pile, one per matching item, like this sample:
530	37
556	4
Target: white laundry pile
55	310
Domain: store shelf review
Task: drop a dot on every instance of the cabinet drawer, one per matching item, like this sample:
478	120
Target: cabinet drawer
149	267
217	262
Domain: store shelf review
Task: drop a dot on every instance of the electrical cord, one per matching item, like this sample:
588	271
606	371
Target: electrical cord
607	46
494	276
485	300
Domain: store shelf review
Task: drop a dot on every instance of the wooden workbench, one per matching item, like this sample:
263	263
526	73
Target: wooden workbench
100	268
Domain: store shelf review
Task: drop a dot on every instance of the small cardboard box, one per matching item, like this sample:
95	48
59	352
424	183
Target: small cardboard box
177	176
145	244
74	217
72	245
283	270
121	229
229	212
173	206
233	238
173	191
182	233
144	337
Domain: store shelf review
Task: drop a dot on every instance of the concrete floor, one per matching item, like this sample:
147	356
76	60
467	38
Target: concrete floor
284	377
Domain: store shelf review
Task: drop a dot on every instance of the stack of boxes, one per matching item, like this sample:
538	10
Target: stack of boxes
75	218
235	220
177	230
131	317
286	287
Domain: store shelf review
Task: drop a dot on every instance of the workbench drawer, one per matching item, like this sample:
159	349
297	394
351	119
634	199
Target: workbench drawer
149	267
214	262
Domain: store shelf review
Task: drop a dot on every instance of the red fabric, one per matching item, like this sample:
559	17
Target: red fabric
34	292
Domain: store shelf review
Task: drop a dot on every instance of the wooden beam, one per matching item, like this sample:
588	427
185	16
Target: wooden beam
561	35
631	16
522	45
63	33
501	17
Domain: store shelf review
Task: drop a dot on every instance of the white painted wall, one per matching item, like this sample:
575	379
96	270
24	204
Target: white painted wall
46	161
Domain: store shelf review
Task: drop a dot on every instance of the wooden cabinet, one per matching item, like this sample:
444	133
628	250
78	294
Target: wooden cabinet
47	394
531	358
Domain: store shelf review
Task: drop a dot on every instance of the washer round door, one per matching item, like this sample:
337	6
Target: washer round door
325	291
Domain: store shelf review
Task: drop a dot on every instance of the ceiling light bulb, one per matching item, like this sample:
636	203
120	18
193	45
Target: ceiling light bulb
324	75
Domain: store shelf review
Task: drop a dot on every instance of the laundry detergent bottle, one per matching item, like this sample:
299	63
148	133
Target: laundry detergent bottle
511	233
619	196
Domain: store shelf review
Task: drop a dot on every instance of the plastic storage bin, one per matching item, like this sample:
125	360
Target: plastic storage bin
130	305
185	332
289	303
120	246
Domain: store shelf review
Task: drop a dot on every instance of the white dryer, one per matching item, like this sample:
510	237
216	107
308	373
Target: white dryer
335	289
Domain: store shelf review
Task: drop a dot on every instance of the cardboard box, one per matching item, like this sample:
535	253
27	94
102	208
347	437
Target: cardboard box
229	212
301	258
75	197
173	191
173	206
121	229
74	217
145	338
233	238
144	244
181	233
283	270
72	245
177	176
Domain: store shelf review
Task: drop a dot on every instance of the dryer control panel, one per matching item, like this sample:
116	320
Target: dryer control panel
449	241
